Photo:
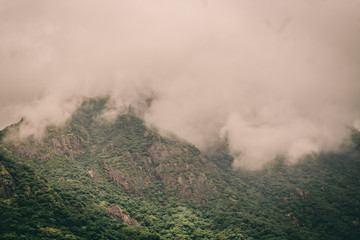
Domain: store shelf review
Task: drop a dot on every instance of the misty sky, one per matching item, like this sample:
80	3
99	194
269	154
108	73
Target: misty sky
278	77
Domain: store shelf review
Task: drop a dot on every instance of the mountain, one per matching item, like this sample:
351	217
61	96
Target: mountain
94	178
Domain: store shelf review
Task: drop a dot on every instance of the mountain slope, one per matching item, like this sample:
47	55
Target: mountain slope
125	151
31	209
120	172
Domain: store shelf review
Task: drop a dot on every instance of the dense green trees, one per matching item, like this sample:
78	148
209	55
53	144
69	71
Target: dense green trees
63	191
36	211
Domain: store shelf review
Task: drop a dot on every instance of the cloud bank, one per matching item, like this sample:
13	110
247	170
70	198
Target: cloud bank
273	78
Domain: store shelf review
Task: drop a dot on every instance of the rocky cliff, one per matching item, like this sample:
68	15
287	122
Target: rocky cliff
124	151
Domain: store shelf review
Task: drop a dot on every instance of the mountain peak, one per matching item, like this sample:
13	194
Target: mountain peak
124	151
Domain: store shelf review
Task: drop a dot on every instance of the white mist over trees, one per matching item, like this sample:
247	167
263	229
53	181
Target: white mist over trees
273	77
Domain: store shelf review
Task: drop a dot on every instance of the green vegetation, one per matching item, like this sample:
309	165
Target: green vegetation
96	179
37	210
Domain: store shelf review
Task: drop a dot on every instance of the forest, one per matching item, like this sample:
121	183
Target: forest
90	179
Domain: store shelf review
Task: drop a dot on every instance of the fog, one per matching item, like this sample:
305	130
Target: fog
273	78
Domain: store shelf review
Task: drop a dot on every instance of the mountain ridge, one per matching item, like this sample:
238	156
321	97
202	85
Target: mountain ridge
130	173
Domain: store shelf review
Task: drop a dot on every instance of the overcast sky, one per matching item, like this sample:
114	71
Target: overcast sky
273	77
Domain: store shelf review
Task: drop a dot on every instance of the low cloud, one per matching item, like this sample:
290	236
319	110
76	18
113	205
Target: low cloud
279	78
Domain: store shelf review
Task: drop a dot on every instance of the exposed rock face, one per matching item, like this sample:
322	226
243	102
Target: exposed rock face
94	175
60	142
177	167
299	195
123	179
134	157
115	211
180	172
68	146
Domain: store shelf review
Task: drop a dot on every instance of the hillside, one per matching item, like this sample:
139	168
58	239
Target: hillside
97	179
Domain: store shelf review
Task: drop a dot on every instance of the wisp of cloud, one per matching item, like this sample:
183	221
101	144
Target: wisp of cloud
273	78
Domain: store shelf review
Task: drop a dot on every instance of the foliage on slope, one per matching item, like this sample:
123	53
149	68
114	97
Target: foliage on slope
134	157
33	209
318	198
121	171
